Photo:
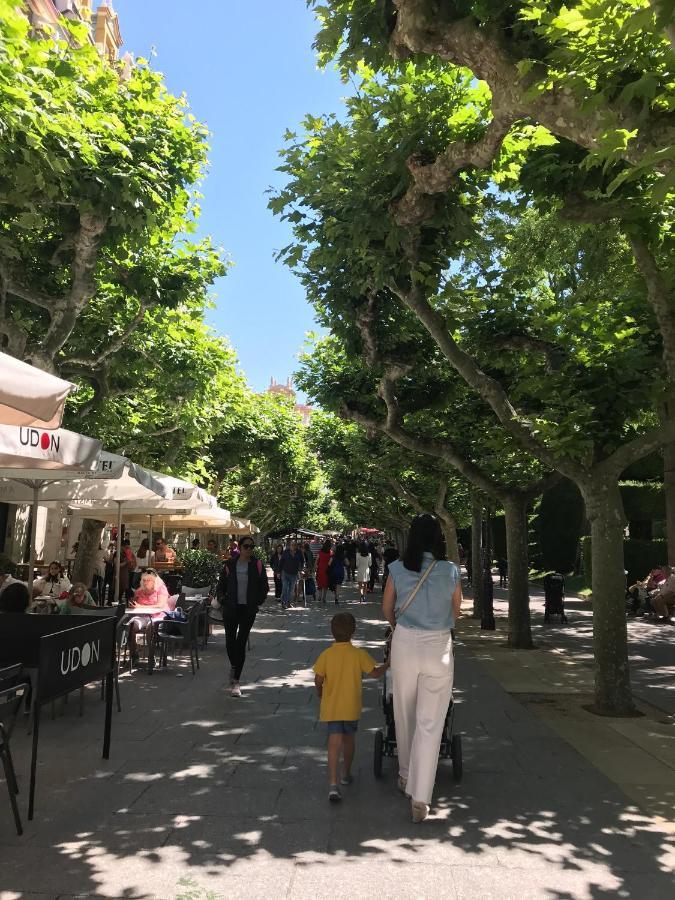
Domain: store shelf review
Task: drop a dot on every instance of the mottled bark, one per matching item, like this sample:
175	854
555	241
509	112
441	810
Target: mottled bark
520	633
492	57
605	513
89	542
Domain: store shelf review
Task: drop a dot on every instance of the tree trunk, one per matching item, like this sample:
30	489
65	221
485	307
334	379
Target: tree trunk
520	633
610	638
669	492
88	546
477	557
450	534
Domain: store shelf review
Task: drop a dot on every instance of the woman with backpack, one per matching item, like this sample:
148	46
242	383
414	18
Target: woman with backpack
242	589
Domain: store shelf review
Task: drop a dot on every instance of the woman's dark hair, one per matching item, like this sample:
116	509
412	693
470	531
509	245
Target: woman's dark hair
363	548
340	552
326	546
14	599
425	535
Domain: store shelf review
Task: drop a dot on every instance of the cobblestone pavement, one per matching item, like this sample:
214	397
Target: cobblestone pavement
205	796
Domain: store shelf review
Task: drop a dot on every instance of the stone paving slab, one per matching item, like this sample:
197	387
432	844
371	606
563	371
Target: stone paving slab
206	797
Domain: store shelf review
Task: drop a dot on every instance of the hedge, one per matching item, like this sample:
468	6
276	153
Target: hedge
639	557
643	501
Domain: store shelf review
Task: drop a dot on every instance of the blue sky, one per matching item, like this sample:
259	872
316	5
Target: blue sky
249	72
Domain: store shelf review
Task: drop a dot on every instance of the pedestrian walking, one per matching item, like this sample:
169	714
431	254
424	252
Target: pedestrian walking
308	571
337	679
292	562
322	564
373	566
389	554
336	572
421	602
275	564
503	567
364	561
242	589
351	551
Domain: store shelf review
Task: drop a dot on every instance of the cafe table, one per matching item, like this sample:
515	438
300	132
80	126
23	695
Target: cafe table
150	634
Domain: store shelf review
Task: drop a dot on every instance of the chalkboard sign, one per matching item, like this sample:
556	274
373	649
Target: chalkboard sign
68	660
72	658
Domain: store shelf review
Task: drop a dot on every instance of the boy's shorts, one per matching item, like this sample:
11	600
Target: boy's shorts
342	727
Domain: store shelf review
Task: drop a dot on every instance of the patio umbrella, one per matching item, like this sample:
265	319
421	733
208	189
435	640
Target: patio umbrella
29	396
180	498
31	459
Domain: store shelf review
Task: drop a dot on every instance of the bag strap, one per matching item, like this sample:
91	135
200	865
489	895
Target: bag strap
415	590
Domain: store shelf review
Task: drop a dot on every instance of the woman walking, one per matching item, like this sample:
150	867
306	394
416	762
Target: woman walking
242	589
336	572
322	564
422	601
364	561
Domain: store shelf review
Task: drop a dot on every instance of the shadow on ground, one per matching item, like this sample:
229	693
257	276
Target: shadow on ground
208	796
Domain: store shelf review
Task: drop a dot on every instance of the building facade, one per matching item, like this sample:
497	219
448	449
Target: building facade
286	390
101	20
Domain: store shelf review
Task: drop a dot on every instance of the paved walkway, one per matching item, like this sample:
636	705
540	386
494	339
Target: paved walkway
208	797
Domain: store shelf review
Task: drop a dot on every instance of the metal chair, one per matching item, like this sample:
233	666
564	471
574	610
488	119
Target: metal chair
181	633
13	692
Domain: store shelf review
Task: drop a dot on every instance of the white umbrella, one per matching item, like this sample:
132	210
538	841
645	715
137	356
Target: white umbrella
29	396
32	459
203	517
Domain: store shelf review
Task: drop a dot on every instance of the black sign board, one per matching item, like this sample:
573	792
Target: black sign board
68	660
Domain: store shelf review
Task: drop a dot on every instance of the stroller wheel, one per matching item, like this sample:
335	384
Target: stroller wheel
378	754
456	754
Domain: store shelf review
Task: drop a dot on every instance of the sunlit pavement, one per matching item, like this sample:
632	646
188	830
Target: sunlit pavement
205	796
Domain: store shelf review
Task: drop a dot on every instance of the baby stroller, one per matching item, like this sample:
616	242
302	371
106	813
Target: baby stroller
385	739
554	597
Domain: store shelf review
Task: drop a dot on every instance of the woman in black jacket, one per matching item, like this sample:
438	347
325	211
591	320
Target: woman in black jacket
242	589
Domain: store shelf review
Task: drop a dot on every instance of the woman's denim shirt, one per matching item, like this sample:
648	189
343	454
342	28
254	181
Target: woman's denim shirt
431	610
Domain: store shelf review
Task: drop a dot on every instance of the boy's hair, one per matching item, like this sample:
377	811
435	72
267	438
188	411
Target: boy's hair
343	626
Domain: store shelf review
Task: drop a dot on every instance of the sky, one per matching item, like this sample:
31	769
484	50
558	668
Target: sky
250	73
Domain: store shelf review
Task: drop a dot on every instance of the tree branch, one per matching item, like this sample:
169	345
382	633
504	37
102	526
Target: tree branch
486	386
647	443
437	177
553	353
487	51
66	310
660	296
113	346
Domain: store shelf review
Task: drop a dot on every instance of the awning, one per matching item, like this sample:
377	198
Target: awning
29	396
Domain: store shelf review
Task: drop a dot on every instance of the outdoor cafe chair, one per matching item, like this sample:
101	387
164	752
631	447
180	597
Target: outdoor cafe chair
182	633
13	692
185	602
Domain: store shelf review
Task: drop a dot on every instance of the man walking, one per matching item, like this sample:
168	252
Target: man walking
292	563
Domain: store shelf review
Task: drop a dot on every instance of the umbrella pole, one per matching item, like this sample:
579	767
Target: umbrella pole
33	539
118	557
150	542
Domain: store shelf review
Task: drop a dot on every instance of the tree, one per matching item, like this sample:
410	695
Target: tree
266	468
97	193
360	239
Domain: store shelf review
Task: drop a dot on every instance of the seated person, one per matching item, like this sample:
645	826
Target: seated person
6	578
54	584
15	598
152	592
663	601
78	598
164	553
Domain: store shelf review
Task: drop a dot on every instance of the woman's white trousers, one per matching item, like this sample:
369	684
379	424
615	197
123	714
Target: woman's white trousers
422	668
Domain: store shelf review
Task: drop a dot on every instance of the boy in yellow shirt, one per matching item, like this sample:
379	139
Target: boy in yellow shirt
337	677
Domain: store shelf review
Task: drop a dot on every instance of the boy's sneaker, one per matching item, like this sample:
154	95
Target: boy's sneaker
334	794
347	779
